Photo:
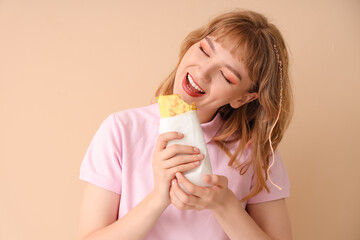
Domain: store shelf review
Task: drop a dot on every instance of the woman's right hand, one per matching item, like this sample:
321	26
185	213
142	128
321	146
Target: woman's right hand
167	161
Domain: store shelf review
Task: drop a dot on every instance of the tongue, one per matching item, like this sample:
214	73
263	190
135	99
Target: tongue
192	88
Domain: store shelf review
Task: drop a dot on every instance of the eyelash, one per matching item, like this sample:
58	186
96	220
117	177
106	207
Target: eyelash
226	78
201	49
204	51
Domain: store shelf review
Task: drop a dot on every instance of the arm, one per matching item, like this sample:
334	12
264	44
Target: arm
98	216
266	221
272	217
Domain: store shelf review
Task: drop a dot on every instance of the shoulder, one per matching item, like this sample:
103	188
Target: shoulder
277	182
138	115
128	122
130	125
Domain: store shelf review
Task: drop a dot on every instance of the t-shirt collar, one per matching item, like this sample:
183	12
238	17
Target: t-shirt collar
211	128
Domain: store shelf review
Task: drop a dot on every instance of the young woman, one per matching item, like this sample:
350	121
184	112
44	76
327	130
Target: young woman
236	71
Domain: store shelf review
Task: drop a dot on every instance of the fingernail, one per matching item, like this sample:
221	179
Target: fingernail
197	163
200	156
196	149
180	134
207	178
177	174
173	182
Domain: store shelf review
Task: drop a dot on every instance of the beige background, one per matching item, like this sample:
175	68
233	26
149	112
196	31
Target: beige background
66	65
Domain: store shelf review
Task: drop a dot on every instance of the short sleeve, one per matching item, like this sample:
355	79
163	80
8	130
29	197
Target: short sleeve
101	165
278	176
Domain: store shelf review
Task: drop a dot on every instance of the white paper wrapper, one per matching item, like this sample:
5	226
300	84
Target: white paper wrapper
188	124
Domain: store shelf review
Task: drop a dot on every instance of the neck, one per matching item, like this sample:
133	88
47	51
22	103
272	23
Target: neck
204	117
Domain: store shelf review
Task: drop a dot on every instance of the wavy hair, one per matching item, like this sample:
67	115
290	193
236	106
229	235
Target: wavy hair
251	38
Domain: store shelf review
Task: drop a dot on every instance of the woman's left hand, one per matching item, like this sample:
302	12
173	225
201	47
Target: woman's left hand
201	197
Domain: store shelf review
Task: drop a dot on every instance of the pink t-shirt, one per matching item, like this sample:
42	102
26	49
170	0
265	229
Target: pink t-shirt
119	159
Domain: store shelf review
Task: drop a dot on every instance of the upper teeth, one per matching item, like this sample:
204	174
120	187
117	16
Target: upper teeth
191	81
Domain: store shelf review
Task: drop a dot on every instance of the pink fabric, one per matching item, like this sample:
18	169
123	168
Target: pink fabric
119	160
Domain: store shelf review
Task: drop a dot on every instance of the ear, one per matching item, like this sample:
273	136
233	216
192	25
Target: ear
248	97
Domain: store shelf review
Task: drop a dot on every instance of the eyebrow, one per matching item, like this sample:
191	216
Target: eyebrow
234	71
228	66
211	44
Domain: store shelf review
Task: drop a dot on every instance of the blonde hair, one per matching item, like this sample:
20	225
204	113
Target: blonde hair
260	45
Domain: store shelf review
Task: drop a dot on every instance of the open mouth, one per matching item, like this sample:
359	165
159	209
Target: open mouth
191	87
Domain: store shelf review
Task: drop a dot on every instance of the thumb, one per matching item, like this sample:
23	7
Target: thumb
213	179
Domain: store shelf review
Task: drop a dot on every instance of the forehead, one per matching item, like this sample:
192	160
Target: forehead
234	43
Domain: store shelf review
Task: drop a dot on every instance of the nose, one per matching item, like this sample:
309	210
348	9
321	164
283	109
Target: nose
205	72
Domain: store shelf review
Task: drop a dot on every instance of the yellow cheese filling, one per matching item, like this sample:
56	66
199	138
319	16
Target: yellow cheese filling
172	105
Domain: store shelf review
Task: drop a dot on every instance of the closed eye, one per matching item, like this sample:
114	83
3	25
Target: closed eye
201	48
226	78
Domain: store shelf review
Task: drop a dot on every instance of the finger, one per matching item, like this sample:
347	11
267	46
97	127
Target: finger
216	180
182	159
164	138
189	186
182	196
183	167
176	149
175	200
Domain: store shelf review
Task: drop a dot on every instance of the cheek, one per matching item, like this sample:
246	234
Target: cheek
222	96
221	87
229	95
191	55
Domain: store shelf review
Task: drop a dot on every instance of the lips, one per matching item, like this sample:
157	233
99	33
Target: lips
192	89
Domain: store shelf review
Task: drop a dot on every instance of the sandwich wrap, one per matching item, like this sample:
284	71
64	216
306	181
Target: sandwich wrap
177	115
